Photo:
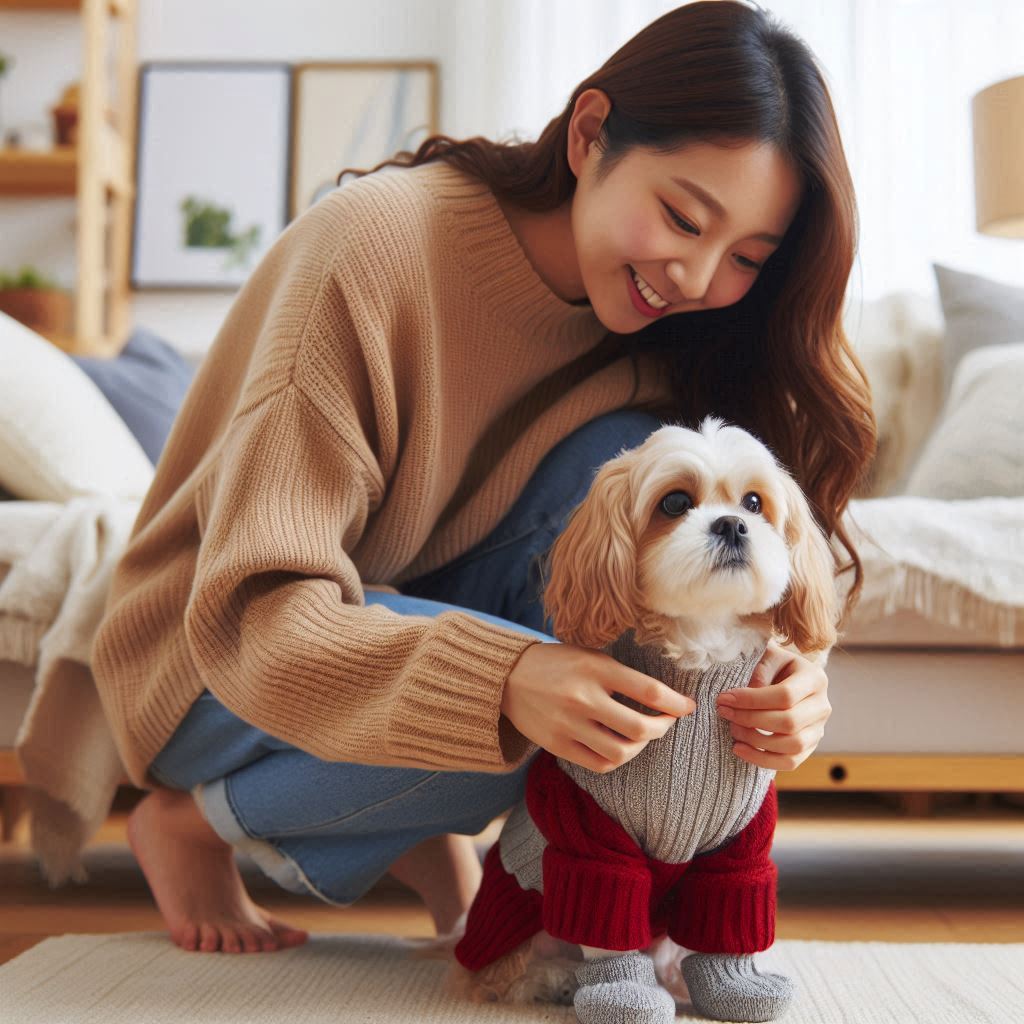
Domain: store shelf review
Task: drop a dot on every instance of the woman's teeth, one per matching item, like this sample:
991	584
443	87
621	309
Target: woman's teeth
651	297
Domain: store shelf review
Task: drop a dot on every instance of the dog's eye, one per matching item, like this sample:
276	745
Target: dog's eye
751	502
677	503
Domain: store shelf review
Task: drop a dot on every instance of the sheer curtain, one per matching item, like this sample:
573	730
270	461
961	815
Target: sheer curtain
901	73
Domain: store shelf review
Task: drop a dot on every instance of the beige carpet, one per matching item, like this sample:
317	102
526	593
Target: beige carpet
142	978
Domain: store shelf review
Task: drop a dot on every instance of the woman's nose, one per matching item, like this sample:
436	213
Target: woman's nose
693	278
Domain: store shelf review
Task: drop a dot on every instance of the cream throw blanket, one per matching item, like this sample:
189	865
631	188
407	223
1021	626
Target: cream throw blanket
956	562
56	562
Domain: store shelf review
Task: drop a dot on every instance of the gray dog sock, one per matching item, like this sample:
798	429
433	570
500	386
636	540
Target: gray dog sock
727	987
622	990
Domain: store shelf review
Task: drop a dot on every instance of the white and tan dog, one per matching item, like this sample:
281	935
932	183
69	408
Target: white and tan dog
703	545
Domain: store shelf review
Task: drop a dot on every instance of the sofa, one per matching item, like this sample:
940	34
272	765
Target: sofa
926	683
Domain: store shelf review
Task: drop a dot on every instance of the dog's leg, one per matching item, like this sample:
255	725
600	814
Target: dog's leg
620	988
668	956
725	986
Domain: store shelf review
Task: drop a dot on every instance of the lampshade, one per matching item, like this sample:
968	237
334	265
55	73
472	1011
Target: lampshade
998	118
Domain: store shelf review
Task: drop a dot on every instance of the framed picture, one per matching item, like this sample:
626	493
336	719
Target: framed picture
211	171
356	114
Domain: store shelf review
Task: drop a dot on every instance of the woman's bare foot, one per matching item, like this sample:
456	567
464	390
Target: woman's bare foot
445	871
192	874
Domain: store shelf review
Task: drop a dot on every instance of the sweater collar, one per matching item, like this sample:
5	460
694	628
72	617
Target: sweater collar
491	256
700	684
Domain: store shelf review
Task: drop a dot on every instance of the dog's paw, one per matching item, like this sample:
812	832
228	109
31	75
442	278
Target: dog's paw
547	981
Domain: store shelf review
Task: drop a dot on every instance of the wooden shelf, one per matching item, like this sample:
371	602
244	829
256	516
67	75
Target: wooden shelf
40	5
98	173
117	7
26	172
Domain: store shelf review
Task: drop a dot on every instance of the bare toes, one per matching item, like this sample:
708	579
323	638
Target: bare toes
286	934
210	939
252	940
229	940
189	937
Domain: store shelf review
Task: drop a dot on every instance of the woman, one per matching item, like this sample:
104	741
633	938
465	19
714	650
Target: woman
413	391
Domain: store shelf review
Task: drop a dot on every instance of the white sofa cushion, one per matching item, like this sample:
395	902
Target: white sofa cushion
977	451
978	312
899	341
59	436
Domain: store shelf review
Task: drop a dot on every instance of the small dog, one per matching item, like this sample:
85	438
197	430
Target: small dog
704	546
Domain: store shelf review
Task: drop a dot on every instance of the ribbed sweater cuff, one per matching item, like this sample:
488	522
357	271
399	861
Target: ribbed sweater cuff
596	903
733	914
502	916
452	704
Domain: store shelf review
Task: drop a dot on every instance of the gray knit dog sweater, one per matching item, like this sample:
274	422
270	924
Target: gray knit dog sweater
683	795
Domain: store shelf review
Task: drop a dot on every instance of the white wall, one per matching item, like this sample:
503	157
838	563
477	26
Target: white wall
508	66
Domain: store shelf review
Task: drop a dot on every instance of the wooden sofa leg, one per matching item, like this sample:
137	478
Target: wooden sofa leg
15	807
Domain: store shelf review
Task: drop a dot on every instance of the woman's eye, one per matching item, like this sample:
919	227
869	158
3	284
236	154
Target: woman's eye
751	502
677	503
690	229
684	224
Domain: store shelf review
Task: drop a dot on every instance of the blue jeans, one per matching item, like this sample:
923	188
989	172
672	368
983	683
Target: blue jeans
332	828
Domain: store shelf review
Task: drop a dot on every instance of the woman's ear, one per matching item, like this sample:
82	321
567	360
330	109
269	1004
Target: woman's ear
808	614
591	593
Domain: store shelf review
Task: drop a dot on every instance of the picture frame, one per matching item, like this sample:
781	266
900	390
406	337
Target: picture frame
211	191
355	114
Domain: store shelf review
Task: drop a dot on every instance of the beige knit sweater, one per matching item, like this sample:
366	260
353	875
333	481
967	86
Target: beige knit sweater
381	391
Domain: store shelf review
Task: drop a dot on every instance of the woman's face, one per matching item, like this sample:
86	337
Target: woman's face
647	216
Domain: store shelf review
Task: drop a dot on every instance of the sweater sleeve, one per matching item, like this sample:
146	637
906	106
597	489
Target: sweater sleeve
276	621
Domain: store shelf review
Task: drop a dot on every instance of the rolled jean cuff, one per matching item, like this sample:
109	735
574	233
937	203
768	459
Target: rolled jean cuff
215	806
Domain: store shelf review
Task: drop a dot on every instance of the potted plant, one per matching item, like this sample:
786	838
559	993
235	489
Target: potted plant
36	300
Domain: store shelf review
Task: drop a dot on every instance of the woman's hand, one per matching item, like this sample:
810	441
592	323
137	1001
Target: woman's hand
560	697
787	697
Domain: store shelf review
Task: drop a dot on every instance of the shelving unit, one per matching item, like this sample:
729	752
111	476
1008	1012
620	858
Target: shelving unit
99	172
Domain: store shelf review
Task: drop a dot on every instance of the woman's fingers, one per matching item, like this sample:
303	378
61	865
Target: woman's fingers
788	722
774	743
632	724
647	690
779	752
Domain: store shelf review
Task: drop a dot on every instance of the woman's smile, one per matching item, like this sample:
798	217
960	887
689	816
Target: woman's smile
653	308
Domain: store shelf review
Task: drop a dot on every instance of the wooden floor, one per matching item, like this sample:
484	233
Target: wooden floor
851	867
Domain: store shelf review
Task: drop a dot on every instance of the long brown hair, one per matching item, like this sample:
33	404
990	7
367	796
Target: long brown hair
778	362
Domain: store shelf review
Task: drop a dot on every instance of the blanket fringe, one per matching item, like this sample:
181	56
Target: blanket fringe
942	601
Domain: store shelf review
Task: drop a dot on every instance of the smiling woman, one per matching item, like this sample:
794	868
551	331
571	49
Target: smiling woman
412	390
695	193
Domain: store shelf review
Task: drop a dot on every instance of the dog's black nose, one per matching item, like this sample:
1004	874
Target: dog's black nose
731	529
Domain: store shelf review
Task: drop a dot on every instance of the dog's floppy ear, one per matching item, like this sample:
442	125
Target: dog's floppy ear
591	594
809	612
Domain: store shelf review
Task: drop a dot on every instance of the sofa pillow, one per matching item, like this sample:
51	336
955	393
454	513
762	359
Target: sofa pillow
976	450
59	436
146	383
898	339
978	312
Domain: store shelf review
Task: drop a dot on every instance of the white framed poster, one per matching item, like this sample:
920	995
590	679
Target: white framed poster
211	171
356	114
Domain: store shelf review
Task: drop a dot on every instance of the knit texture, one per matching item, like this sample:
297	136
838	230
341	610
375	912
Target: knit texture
621	990
725	987
600	889
686	792
381	391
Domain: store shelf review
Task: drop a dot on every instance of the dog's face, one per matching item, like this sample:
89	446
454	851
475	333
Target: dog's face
696	524
710	510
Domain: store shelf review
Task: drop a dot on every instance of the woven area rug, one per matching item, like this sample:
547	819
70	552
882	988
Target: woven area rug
143	978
